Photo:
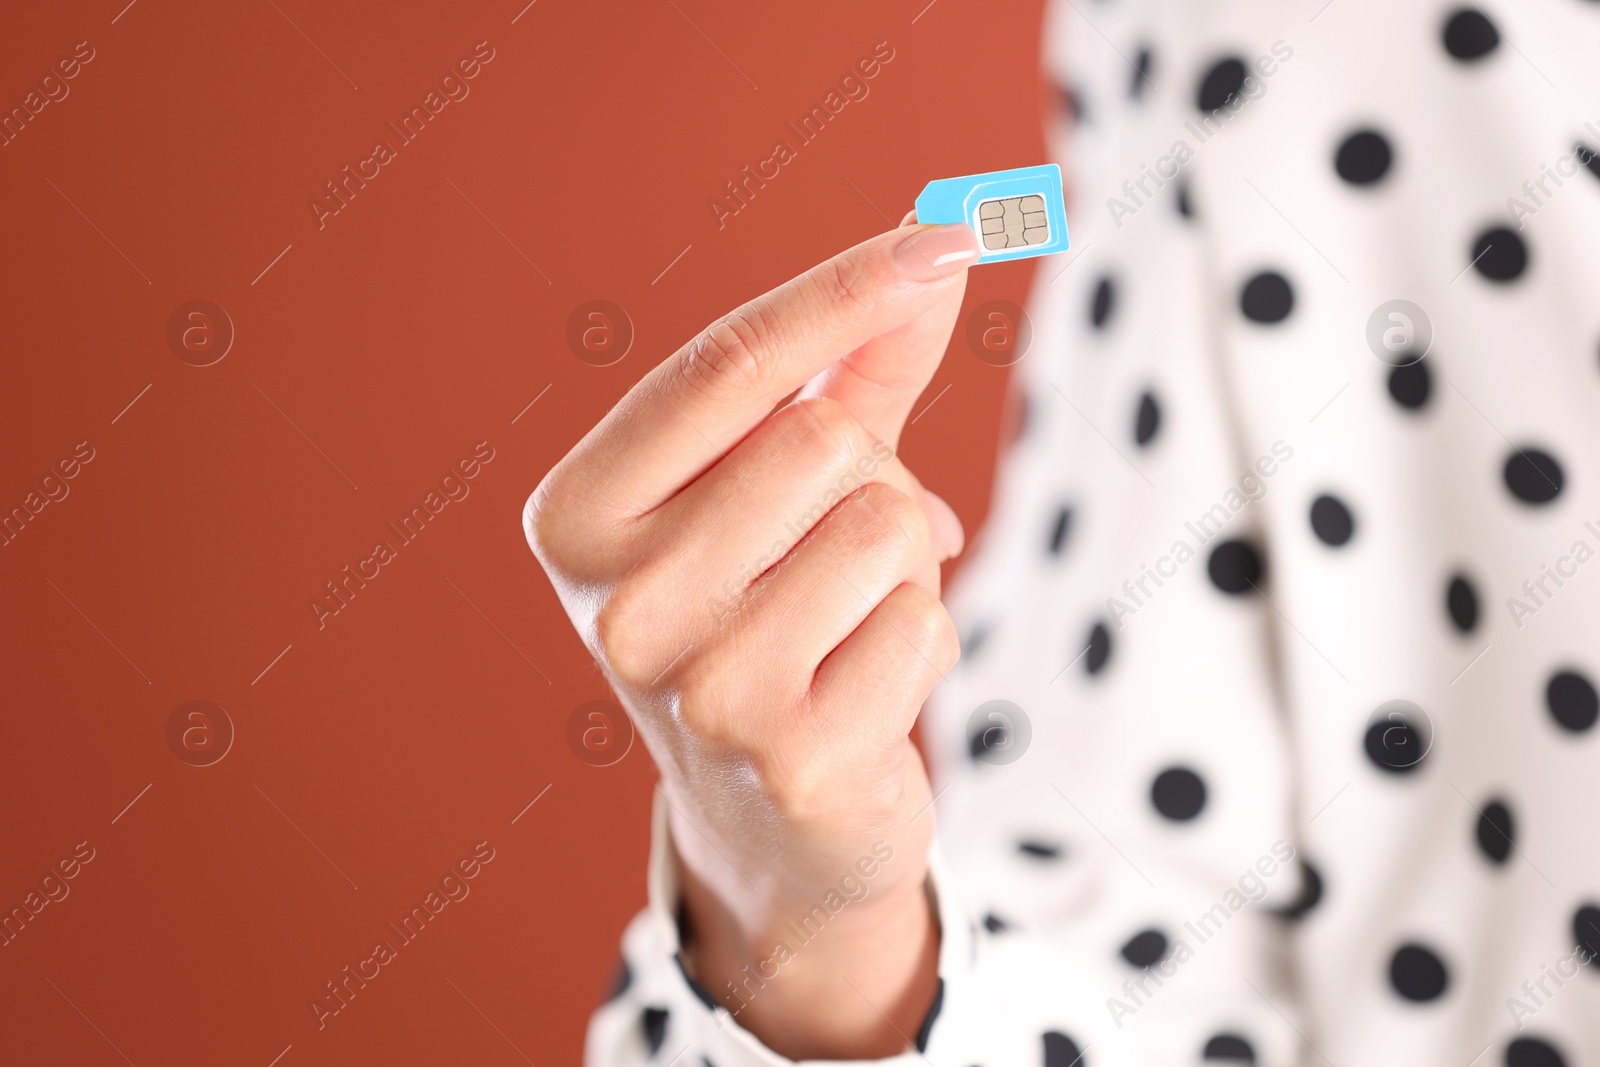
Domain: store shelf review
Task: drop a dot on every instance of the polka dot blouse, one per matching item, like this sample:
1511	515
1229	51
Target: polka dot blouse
1274	735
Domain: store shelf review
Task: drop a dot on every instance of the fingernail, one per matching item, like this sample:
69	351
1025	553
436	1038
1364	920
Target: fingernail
936	252
947	529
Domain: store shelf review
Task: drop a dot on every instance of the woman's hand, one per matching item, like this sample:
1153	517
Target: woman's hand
761	585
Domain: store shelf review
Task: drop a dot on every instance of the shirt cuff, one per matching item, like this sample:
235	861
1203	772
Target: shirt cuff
659	1015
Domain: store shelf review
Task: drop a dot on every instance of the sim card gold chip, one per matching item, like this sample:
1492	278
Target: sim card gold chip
1014	222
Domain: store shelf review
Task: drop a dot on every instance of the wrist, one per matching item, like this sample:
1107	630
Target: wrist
846	970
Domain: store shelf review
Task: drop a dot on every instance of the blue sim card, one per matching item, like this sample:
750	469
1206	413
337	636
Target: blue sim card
1016	213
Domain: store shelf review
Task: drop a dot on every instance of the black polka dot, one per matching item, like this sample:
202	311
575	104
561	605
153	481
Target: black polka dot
1039	850
1178	793
1499	254
1099	653
1071	102
1572	701
1145	948
1363	158
1532	1052
974	641
992	737
1461	599
1061	1051
1496	831
1533	476
1410	384
1588	157
1059	529
1185	203
1310	893
1394	745
1148	419
1331	521
1468	34
1229	1047
1103	303
1235	567
994	924
1267	298
1417	973
1141	73
1221	84
1586	929
654	1023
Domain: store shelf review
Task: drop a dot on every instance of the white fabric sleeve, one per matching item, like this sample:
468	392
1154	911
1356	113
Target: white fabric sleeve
659	1015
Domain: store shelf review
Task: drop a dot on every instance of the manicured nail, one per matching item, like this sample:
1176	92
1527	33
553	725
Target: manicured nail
947	529
934	253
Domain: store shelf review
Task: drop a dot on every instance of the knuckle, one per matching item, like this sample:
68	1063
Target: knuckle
713	700
891	520
563	528
545	523
623	637
922	629
836	286
703	687
800	783
928	626
536	522
826	426
730	353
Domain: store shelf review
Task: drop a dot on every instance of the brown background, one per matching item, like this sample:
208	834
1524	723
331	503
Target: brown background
374	354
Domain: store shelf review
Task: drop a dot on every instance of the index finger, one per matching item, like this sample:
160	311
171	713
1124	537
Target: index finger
685	415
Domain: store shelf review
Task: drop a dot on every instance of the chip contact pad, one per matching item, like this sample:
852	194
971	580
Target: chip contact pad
1013	222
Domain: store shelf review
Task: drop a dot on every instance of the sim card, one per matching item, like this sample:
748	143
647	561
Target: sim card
1016	213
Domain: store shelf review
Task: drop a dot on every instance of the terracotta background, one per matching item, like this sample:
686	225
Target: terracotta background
371	355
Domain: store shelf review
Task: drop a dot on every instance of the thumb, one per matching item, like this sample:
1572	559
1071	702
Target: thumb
881	380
